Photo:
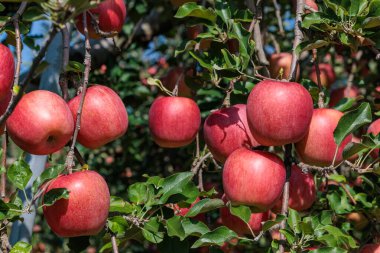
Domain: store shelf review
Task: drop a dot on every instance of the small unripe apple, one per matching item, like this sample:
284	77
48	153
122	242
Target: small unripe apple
370	248
174	121
302	192
104	117
358	219
344	92
318	146
175	75
110	15
327	75
253	178
86	210
280	63
278	112
226	130
239	226
41	123
7	71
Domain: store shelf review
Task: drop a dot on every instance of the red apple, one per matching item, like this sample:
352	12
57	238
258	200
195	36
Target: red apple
104	117
41	123
370	248
281	61
182	211
226	130
7	71
253	178
302	192
374	128
344	92
174	121
279	112
86	210
327	75
239	226
110	15
175	75
3	107
318	146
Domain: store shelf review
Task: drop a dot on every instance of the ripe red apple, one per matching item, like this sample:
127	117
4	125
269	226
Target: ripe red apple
344	92
41	123
7	71
226	130
86	210
302	192
279	112
182	211
110	15
104	117
3	107
174	121
374	128
370	248
327	75
178	3
253	178
174	75
281	61
318	146
239	226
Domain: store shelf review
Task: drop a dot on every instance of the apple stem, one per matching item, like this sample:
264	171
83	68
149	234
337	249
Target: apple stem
255	28
4	164
297	39
114	244
175	90
285	197
86	74
65	62
16	97
279	19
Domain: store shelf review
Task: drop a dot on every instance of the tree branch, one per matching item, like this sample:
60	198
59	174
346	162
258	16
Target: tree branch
86	74
4	165
65	61
321	95
297	39
279	18
17	97
114	244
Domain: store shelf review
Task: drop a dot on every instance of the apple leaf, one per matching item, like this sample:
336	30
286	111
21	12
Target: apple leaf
151	231
215	237
194	227
21	247
351	121
141	193
54	195
46	175
290	237
243	212
294	219
204	205
19	173
196	11
353	148
174	227
75	67
117	224
338	201
119	205
172	244
174	184
328	250
270	223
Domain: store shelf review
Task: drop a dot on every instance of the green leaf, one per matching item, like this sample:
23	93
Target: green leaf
33	13
270	223
328	250
75	67
204	205
351	121
326	217
243	212
339	202
118	225
2	7
345	104
293	220
174	184
194	227
46	175
314	19
353	148
196	11
371	22
141	193
173	244
19	173
21	247
119	205
54	195
338	178
174	227
290	237
215	237
306	46
151	231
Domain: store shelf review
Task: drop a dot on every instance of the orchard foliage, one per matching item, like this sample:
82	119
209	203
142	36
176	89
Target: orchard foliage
170	199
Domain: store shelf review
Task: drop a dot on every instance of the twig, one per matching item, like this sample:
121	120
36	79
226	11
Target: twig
200	179
18	51
199	163
4	240
321	95
95	25
4	164
128	43
79	157
86	74
275	43
376	51
16	97
279	18
65	61
297	39
348	193
227	99
285	195
17	15
114	244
